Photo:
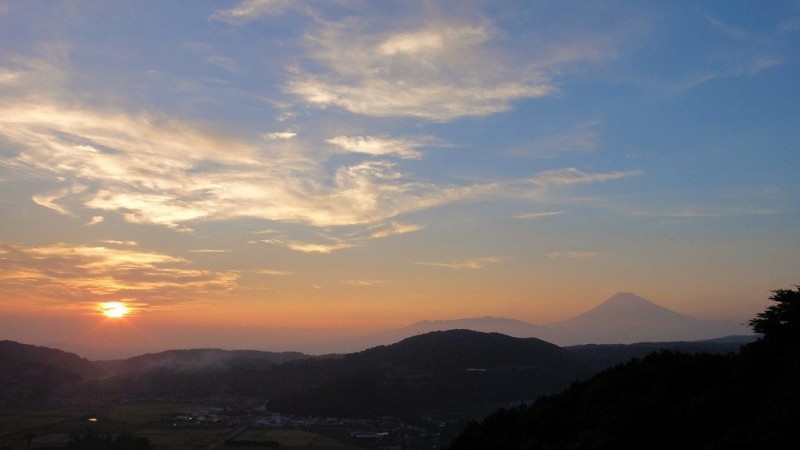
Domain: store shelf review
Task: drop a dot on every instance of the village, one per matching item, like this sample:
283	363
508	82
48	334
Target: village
249	418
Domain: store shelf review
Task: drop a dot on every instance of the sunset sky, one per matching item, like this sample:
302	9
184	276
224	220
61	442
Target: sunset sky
256	173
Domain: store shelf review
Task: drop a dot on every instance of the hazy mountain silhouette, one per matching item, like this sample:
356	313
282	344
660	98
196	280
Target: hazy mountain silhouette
622	319
627	318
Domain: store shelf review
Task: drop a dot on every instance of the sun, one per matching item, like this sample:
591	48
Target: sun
114	310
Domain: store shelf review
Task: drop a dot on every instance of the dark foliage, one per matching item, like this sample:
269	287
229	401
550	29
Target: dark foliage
670	400
451	369
447	369
603	356
781	321
29	373
194	359
89	439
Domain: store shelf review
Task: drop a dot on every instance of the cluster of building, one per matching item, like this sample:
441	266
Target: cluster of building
384	432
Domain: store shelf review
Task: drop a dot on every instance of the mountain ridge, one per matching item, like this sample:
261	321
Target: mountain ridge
623	318
448	369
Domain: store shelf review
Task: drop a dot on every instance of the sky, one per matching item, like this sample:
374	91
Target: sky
257	173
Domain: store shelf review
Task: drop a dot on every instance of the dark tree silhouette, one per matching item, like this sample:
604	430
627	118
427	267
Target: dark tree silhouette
89	439
744	401
781	321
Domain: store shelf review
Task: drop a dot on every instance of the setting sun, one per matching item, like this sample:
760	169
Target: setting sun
114	310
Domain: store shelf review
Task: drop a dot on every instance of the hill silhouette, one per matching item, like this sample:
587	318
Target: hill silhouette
439	370
670	400
460	370
194	359
30	373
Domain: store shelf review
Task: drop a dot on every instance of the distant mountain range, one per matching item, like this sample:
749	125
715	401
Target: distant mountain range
465	372
626	318
622	319
457	364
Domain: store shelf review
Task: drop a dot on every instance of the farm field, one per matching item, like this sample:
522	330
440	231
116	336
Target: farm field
31	428
288	439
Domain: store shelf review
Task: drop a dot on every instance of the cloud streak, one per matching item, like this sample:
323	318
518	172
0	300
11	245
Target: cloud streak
417	73
249	10
159	171
472	264
538	215
377	146
74	273
582	139
572	255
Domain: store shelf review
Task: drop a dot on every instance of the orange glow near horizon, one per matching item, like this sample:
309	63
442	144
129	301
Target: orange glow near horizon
114	310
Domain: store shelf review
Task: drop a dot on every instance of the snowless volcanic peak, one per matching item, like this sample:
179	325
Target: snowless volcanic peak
631	307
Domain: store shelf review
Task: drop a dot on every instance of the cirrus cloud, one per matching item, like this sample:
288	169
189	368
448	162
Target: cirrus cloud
377	146
473	263
418	73
69	273
156	170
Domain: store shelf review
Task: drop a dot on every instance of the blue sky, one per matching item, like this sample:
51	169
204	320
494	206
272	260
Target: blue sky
357	165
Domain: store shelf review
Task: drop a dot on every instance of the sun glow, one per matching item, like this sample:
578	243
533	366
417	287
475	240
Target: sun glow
114	310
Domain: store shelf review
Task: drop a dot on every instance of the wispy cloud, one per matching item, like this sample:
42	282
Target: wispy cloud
311	247
8	76
733	31
378	146
51	200
72	273
125	243
707	213
154	169
735	52
250	10
582	139
147	170
473	263
538	215
572	255
393	228
363	282
572	176
223	62
272	272
419	72
281	135
209	250
95	220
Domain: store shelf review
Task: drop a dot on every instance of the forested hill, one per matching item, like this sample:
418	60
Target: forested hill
195	359
448	369
438	370
29	373
669	400
456	369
